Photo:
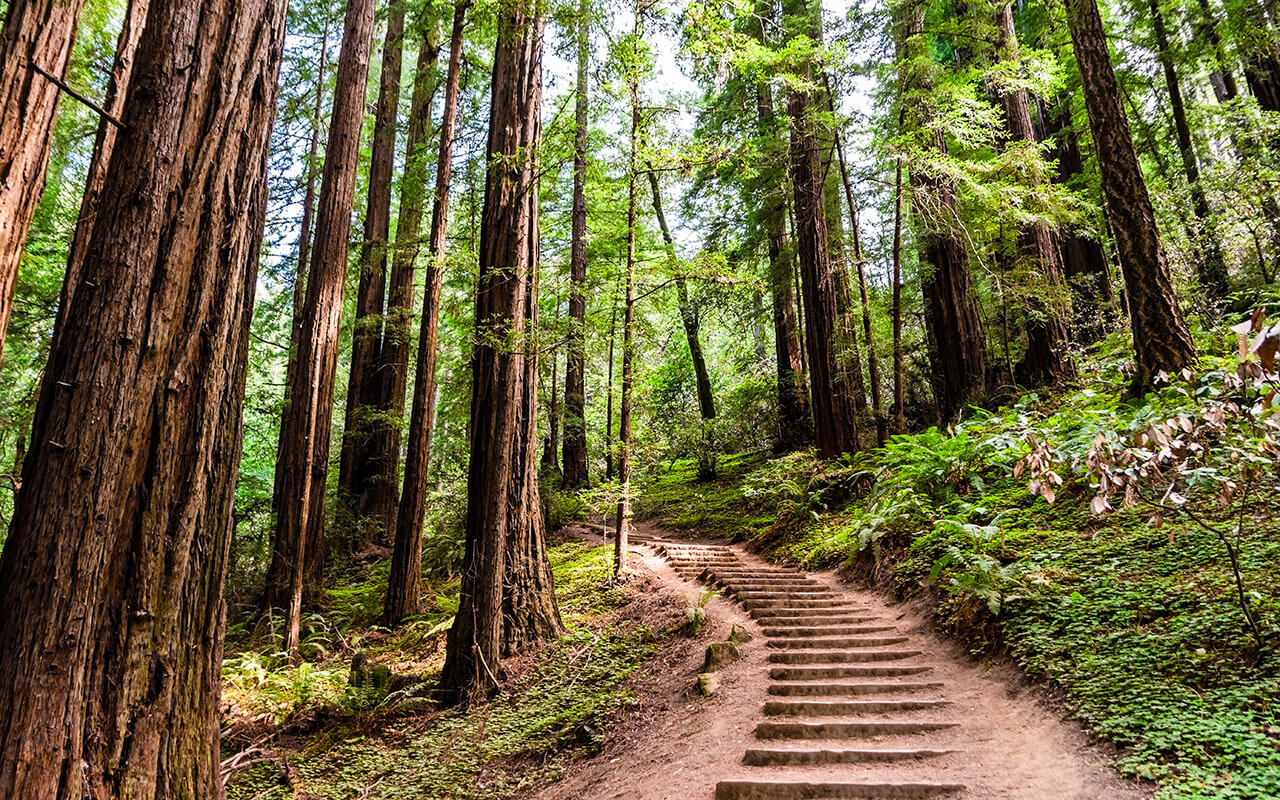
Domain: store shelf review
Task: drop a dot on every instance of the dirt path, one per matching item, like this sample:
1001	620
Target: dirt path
838	695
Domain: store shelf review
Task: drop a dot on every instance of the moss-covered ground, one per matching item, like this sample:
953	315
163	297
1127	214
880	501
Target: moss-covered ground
1132	619
327	740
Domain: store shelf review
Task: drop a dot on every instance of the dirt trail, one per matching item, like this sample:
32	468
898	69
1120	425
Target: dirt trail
838	695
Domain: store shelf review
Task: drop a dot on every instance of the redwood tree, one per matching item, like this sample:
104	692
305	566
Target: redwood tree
111	610
303	460
37	35
404	584
575	424
1160	337
506	594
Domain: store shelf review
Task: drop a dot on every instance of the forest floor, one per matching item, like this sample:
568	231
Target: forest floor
1009	743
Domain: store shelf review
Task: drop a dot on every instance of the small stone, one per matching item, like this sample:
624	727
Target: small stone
708	682
720	654
739	635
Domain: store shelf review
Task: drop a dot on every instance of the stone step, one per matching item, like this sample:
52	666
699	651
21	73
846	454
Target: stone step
846	708
793	611
845	729
768	757
786	631
834	642
840	656
801	586
798	592
829	672
810	790
850	689
844	618
796	603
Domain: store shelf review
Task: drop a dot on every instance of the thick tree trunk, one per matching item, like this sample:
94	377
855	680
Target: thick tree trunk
361	473
304	461
403	586
1211	268
111	610
688	312
1046	361
1160	337
504	599
135	17
794	429
36	34
957	342
835	423
575	389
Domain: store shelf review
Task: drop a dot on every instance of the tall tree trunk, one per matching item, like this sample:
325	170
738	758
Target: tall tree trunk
1160	337
1261	56
628	319
575	390
506	589
794	430
1211	268
1046	361
957	342
859	261
608	410
688	312
899	410
383	495
111	609
1220	76
36	34
835	423
551	447
300	277
299	533
360	470
403	586
135	17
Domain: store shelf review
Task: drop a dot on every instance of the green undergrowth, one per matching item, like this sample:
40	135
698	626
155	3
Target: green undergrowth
1133	615
554	709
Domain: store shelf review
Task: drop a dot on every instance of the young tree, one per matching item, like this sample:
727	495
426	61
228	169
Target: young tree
406	554
34	45
506	592
835	424
362	475
304	460
1160	337
575	423
111	611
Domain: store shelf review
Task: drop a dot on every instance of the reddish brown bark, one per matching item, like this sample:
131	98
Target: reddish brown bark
623	526
504	603
575	423
1160	336
111	610
37	33
126	46
362	476
404	585
304	461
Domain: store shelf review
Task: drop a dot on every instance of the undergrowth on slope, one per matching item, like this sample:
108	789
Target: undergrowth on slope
395	744
1134	616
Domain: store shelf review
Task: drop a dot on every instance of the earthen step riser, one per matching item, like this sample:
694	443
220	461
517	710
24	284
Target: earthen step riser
846	708
841	656
831	643
849	689
795	758
779	790
794	603
845	730
833	672
788	631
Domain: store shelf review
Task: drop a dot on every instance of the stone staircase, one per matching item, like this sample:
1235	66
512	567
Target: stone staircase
851	711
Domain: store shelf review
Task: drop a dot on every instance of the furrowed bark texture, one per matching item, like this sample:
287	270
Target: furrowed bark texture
111	610
362	475
404	586
304	461
1160	337
37	33
574	451
504	549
